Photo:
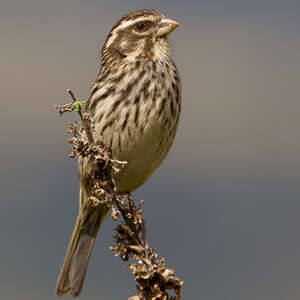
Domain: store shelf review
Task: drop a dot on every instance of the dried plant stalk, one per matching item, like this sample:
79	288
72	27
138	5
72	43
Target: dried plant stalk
153	278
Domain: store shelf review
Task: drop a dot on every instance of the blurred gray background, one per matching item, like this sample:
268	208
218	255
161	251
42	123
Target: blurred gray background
223	208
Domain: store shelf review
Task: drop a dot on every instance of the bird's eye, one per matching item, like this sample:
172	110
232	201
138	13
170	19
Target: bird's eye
142	26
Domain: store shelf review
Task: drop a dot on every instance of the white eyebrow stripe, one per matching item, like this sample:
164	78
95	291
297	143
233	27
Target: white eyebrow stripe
130	22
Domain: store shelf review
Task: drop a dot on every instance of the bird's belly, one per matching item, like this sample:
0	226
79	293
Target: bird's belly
144	149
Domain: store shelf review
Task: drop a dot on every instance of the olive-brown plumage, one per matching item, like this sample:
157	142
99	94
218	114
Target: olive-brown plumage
135	106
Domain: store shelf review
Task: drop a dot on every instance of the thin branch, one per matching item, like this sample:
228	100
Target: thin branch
151	274
85	118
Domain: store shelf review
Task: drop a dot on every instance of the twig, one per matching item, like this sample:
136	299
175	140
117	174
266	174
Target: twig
151	274
84	116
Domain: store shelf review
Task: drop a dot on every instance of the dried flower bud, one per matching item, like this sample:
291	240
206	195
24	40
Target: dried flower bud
115	214
100	193
72	154
93	201
124	256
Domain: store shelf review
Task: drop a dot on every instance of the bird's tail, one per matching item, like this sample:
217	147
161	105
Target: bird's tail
71	277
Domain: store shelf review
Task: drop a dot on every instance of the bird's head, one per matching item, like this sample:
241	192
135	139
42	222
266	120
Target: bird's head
139	36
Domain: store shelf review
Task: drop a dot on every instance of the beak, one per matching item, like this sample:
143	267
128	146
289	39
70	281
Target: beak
166	26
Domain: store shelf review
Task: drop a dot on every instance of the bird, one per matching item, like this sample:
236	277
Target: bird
134	104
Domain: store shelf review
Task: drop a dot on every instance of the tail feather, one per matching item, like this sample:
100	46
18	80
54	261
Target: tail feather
73	272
